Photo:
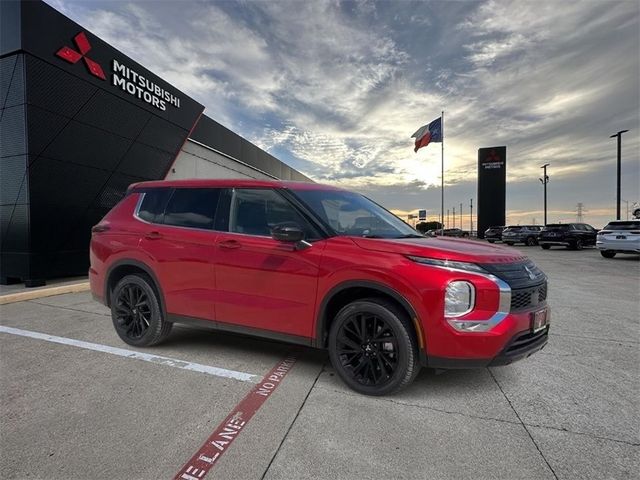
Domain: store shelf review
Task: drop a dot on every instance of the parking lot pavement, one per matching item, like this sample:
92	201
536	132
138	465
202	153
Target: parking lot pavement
79	410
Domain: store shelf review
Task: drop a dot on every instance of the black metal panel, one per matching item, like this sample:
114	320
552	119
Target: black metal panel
12	132
11	81
14	221
44	126
54	89
146	162
13	186
85	145
492	175
164	135
10	26
113	114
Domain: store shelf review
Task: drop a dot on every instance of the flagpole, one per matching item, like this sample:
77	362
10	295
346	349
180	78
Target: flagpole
442	175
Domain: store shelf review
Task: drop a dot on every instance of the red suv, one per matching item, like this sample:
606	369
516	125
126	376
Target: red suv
318	266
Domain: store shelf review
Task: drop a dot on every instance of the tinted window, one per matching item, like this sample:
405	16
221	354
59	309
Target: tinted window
630	225
192	207
153	203
559	226
257	211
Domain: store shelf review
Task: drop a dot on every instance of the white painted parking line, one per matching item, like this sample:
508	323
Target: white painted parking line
121	352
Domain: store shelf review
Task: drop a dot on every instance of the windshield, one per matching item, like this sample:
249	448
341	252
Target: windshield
513	229
560	226
631	225
352	214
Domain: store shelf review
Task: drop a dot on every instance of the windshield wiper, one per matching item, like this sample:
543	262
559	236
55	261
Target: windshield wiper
411	235
371	236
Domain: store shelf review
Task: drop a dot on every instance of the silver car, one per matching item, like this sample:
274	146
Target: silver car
619	236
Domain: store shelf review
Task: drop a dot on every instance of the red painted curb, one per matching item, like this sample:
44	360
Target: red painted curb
224	435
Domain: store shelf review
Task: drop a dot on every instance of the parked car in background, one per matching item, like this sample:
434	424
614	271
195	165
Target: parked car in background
619	236
454	232
318	266
527	234
571	235
493	234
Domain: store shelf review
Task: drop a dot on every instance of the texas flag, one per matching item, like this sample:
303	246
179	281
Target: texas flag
428	133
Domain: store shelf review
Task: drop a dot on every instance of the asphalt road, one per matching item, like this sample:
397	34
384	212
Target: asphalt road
73	410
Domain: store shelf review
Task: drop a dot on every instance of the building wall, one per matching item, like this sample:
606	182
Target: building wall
198	161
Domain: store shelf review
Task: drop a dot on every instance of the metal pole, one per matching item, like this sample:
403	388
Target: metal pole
447	218
618	170
461	216
454	217
442	171
471	215
545	180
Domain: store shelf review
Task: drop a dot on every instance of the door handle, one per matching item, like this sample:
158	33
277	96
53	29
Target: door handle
229	244
153	235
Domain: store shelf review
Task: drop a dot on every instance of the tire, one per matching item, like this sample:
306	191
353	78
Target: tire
511	244
577	244
607	253
531	242
136	313
358	358
545	247
491	241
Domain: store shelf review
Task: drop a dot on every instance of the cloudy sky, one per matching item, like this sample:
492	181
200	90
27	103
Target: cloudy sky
335	89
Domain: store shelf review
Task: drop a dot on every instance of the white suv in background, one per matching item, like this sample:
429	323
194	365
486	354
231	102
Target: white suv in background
619	236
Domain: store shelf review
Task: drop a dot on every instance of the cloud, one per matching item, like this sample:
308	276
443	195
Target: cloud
336	88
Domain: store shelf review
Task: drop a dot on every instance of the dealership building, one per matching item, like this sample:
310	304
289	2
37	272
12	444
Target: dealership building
79	122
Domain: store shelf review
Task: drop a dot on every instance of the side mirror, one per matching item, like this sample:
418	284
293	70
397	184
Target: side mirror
287	233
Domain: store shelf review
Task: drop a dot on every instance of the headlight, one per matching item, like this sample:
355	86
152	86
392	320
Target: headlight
436	262
459	298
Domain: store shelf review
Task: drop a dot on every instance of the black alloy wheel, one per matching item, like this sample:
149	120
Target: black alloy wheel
136	313
531	242
372	347
577	244
133	312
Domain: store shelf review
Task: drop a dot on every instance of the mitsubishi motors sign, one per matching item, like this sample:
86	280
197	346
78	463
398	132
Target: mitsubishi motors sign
141	87
122	76
68	46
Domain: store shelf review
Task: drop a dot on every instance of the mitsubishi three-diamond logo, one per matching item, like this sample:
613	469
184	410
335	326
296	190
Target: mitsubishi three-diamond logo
73	56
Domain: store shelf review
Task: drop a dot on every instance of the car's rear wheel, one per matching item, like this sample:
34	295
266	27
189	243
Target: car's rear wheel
607	253
136	313
491	241
509	243
373	348
531	241
545	246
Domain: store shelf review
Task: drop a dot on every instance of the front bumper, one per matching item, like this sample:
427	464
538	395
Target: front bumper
521	346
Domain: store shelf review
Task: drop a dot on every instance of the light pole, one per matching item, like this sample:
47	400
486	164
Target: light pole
544	180
619	135
627	202
470	215
447	218
454	217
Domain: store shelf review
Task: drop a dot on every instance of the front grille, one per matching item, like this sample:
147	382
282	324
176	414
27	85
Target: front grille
525	341
516	274
524	298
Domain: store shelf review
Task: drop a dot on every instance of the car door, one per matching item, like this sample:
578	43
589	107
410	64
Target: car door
180	246
263	283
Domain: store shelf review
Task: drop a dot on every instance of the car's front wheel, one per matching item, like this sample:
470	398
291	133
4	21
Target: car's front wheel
531	241
491	241
373	348
545	246
577	244
607	253
136	313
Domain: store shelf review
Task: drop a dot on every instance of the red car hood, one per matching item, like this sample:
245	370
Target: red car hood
443	248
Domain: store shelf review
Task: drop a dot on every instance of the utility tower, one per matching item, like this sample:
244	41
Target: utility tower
580	211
